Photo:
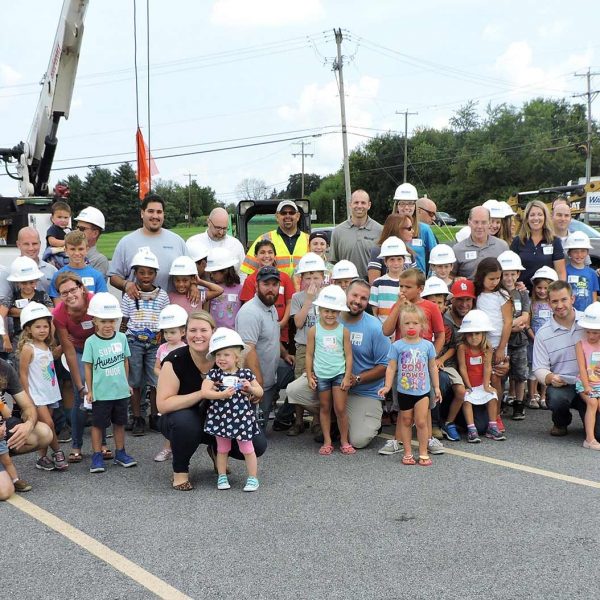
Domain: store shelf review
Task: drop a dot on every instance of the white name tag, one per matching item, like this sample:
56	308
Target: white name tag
548	249
230	380
517	305
356	338
88	282
471	255
231	297
476	360
87	324
595	357
417	242
21	302
544	313
573	278
281	290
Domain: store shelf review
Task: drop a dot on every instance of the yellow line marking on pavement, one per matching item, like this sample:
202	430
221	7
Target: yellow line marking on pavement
157	586
511	465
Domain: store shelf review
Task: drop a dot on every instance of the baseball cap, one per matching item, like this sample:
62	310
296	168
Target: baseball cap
317	234
266	273
463	289
285	203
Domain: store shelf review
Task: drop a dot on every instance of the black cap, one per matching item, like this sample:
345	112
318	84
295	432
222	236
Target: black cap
317	234
265	273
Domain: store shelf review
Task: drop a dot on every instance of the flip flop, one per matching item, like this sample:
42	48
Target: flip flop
75	457
348	449
408	459
326	450
425	461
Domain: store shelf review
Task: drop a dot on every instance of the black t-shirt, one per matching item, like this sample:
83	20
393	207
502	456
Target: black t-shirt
289	240
57	232
190	378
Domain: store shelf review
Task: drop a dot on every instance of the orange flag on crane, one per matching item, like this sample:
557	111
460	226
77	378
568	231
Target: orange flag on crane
145	170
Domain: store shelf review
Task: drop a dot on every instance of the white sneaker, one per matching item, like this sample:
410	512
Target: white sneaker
163	455
391	447
435	446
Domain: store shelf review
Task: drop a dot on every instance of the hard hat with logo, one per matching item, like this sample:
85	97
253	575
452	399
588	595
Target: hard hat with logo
578	240
344	269
333	297
545	273
463	234
489	204
24	268
33	311
510	261
434	285
92	215
223	338
144	257
406	192
310	262
591	317
172	316
197	250
219	259
393	246
476	321
183	265
505	210
104	306
442	254
463	288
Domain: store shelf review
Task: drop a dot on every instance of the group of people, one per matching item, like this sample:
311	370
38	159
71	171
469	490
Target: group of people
385	325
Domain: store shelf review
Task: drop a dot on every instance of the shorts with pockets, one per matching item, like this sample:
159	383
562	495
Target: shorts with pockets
105	412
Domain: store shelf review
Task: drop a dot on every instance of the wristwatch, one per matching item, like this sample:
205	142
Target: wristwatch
357	379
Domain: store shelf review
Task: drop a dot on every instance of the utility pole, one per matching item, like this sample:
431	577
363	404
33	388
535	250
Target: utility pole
302	154
338	65
590	96
190	175
406	113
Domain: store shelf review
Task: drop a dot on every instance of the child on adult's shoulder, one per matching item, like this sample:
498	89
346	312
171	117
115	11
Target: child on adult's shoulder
207	290
183	278
56	233
342	274
317	243
106	362
231	415
441	262
583	279
221	266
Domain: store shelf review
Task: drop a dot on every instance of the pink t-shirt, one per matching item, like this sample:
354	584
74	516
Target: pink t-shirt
78	329
164	349
183	301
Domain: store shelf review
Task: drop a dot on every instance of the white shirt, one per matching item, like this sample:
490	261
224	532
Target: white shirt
491	304
230	243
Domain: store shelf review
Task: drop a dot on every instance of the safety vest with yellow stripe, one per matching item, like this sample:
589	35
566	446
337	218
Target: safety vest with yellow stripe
284	262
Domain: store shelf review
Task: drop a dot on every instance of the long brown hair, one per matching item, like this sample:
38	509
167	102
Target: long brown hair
391	226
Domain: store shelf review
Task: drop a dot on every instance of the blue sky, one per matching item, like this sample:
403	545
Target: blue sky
228	70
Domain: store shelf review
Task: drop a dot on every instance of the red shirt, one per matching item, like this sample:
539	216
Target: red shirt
78	329
435	321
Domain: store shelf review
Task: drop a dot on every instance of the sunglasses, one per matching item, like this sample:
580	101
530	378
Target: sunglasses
288	213
429	212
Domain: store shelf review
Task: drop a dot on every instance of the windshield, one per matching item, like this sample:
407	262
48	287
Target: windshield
587	229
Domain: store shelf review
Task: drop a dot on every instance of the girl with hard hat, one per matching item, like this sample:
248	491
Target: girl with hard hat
182	277
221	266
441	262
199	254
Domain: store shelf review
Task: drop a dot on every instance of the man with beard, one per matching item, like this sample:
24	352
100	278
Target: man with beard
257	323
369	360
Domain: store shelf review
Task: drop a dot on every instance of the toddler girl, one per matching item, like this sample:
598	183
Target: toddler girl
183	277
225	307
207	289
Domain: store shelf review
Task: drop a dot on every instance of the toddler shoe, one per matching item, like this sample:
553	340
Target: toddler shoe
223	483
251	484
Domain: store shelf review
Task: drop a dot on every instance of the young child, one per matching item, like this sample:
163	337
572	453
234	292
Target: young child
105	359
230	415
20	485
344	271
385	289
56	233
414	359
475	366
140	323
329	365
224	308
317	243
171	322
541	313
494	301
183	277
76	249
588	360
518	340
583	279
441	261
199	253
38	376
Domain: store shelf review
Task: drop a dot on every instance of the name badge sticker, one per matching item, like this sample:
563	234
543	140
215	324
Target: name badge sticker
230	381
544	313
476	360
21	302
471	255
281	290
417	242
573	278
518	306
87	324
231	297
88	282
548	249
595	357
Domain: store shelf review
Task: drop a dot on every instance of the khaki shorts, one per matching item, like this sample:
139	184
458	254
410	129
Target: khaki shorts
455	378
300	365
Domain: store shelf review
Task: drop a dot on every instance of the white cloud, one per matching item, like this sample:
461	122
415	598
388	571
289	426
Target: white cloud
8	75
492	32
265	13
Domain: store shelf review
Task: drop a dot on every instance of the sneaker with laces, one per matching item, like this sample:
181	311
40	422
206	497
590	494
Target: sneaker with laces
45	464
21	485
97	465
543	403
500	424
534	401
390	447
493	433
518	413
60	462
123	459
64	437
223	483
251	484
435	446
473	436
163	455
450	432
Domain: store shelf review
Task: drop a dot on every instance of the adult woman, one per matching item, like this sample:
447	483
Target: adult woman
74	326
537	245
179	400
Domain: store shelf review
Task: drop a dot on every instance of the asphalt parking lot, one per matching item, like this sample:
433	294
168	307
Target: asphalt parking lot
519	518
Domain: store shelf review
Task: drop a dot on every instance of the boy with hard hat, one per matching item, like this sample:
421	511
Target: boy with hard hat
441	262
583	279
343	273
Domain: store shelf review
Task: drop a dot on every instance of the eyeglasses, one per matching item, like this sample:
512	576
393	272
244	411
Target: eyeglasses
67	293
84	229
429	212
216	227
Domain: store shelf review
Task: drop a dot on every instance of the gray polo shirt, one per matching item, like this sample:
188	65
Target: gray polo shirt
257	325
98	260
469	254
349	242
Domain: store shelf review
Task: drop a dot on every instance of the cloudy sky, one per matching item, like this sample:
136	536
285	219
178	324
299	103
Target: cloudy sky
237	72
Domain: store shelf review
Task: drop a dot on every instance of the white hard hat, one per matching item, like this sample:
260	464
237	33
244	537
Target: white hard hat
145	258
506	210
591	317
344	269
172	316
495	209
92	215
463	234
223	338
489	204
442	254
24	268
577	240
33	311
197	250
510	261
406	192
310	262
333	297
393	246
545	273
104	306
434	285
183	265
219	259
475	321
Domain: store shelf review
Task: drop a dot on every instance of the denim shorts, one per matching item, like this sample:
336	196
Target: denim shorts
3	447
324	385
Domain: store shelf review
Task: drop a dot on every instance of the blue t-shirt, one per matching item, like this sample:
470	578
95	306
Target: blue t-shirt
93	280
422	246
369	349
413	366
584	282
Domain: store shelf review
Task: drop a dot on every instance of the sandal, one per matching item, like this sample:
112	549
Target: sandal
186	486
326	450
347	449
107	454
408	459
75	457
425	461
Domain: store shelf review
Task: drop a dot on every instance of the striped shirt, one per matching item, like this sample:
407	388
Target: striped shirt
143	315
384	294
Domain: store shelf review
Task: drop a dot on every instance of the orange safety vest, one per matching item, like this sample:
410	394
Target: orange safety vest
284	261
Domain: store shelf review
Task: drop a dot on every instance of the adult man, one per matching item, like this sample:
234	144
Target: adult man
166	245
353	239
554	359
427	210
92	223
479	245
257	323
369	360
216	236
561	218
